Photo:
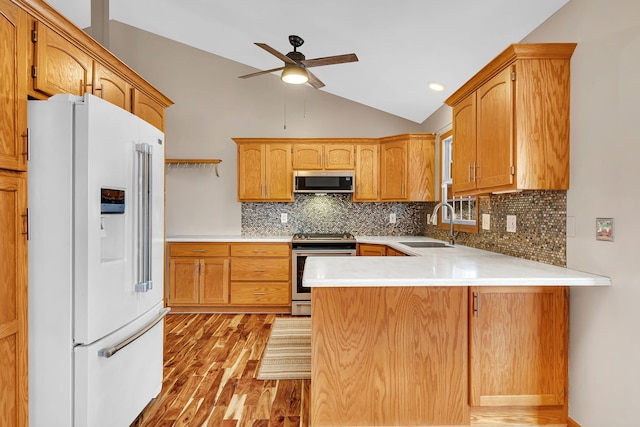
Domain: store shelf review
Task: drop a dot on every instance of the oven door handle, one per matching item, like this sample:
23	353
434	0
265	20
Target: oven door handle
321	252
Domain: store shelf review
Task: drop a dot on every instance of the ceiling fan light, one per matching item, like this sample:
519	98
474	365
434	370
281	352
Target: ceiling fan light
294	74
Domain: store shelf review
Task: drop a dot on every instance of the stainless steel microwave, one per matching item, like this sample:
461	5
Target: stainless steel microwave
323	181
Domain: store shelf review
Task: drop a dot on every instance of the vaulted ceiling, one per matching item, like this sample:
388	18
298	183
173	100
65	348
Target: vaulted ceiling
402	45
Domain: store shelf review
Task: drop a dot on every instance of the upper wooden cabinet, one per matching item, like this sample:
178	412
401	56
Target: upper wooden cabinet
64	59
145	107
13	86
367	175
407	168
313	156
59	66
264	172
111	87
511	122
396	168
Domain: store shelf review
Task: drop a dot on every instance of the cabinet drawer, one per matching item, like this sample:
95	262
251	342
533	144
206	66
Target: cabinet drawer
256	269
198	249
261	249
263	293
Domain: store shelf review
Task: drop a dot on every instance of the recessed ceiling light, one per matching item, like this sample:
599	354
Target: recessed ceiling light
436	86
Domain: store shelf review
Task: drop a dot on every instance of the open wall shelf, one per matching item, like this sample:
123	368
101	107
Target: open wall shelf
193	163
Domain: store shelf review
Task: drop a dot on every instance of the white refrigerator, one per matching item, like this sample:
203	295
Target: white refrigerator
96	251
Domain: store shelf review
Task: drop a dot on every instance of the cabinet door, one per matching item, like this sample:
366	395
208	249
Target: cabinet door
495	132
13	300
147	109
366	173
214	281
60	67
464	145
393	171
13	86
111	87
366	249
339	156
251	172
518	346
307	156
184	281
278	173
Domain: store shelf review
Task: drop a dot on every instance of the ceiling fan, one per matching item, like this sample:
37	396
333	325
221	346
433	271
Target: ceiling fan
295	68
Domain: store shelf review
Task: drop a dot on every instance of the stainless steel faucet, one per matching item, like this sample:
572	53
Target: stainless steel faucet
434	220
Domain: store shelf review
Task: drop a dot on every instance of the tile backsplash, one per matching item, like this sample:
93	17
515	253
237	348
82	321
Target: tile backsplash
540	231
540	226
333	213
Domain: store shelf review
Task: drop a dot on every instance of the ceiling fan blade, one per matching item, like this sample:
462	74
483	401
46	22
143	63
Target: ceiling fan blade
275	53
329	60
246	76
314	81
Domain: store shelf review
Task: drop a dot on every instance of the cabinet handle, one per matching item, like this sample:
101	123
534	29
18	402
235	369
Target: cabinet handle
475	172
259	271
476	304
259	293
27	144
197	250
259	251
403	188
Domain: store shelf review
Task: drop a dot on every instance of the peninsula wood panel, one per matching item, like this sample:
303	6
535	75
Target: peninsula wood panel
389	356
13	87
13	300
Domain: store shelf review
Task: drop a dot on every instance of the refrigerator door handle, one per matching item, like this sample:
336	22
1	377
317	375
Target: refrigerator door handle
144	283
110	351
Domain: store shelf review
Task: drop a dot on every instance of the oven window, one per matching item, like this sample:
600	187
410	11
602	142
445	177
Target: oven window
301	259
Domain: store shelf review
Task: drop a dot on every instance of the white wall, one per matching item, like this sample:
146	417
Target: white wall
604	368
212	105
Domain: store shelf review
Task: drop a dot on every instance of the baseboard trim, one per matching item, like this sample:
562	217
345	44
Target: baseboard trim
572	423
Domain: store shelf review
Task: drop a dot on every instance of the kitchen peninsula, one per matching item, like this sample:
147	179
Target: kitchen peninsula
453	336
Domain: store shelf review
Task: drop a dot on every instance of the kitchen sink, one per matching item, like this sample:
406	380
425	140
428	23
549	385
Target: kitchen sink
426	244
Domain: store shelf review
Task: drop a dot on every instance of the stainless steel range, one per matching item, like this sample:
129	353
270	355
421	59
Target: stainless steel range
306	245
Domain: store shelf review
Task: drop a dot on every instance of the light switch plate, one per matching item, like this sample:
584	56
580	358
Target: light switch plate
392	218
511	223
284	218
486	221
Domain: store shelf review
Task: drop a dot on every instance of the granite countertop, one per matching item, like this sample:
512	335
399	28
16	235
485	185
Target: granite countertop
452	266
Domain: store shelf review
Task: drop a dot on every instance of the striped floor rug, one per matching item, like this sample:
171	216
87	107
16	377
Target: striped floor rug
288	352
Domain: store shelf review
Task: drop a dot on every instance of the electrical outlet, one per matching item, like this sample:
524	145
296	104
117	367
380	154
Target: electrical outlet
428	218
511	223
392	218
486	221
284	218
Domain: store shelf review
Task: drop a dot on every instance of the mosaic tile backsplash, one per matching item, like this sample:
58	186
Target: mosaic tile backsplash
333	213
540	226
540	235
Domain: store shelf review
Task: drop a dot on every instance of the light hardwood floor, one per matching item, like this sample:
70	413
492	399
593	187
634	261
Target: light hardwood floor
210	363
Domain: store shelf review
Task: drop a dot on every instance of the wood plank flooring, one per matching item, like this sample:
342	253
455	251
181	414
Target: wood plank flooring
210	362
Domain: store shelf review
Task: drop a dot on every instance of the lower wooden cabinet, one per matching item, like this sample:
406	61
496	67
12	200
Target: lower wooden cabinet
369	249
198	274
213	276
518	341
